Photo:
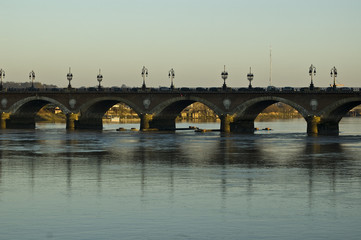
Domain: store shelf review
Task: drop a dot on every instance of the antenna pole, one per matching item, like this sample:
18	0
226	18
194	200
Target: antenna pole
270	66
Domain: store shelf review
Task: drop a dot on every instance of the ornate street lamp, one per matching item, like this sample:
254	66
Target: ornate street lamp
144	75
69	76
32	78
334	75
250	78
171	75
224	76
99	78
2	75
312	72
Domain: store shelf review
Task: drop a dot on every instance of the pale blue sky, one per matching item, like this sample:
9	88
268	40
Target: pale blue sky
195	37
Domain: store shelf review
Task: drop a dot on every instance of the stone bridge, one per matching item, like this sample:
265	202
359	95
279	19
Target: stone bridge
321	109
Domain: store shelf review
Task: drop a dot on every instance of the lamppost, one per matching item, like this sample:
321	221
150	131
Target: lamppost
32	77
250	78
69	76
2	75
224	76
171	75
144	75
312	72
334	75
99	78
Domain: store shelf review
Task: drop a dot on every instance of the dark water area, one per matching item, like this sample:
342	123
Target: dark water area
279	184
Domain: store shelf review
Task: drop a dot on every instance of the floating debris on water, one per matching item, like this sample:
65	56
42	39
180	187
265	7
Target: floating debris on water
205	130
150	130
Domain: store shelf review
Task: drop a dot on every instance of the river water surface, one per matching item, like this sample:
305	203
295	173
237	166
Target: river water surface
279	184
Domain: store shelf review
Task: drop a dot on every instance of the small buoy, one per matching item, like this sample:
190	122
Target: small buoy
256	129
267	129
121	129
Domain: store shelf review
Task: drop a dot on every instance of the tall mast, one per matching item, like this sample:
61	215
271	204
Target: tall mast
270	66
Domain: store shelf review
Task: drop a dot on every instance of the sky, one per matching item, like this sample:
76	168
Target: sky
194	37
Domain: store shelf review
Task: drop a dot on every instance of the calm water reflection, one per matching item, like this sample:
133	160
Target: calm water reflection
130	185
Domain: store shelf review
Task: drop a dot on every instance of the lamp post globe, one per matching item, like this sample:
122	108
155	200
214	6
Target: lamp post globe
224	76
100	79
250	78
69	76
144	75
2	76
32	78
171	75
334	75
312	72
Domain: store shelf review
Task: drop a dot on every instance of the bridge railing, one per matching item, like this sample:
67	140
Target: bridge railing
185	90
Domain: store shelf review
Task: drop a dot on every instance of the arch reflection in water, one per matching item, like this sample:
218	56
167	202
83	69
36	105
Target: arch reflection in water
86	152
177	180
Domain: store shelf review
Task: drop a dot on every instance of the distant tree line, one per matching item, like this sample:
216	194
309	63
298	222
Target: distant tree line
278	111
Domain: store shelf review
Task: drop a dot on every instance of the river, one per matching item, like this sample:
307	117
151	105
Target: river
278	184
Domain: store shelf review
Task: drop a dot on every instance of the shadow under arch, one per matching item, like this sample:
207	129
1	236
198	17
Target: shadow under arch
23	112
245	114
165	114
92	112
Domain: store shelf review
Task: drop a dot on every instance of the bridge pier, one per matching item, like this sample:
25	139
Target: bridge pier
226	121
312	125
145	120
71	119
91	124
242	126
318	126
19	122
328	127
163	124
4	118
229	124
91	121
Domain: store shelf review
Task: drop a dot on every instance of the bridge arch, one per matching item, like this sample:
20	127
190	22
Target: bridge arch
243	116
23	112
34	104
337	110
102	104
165	113
177	104
330	116
251	108
92	112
